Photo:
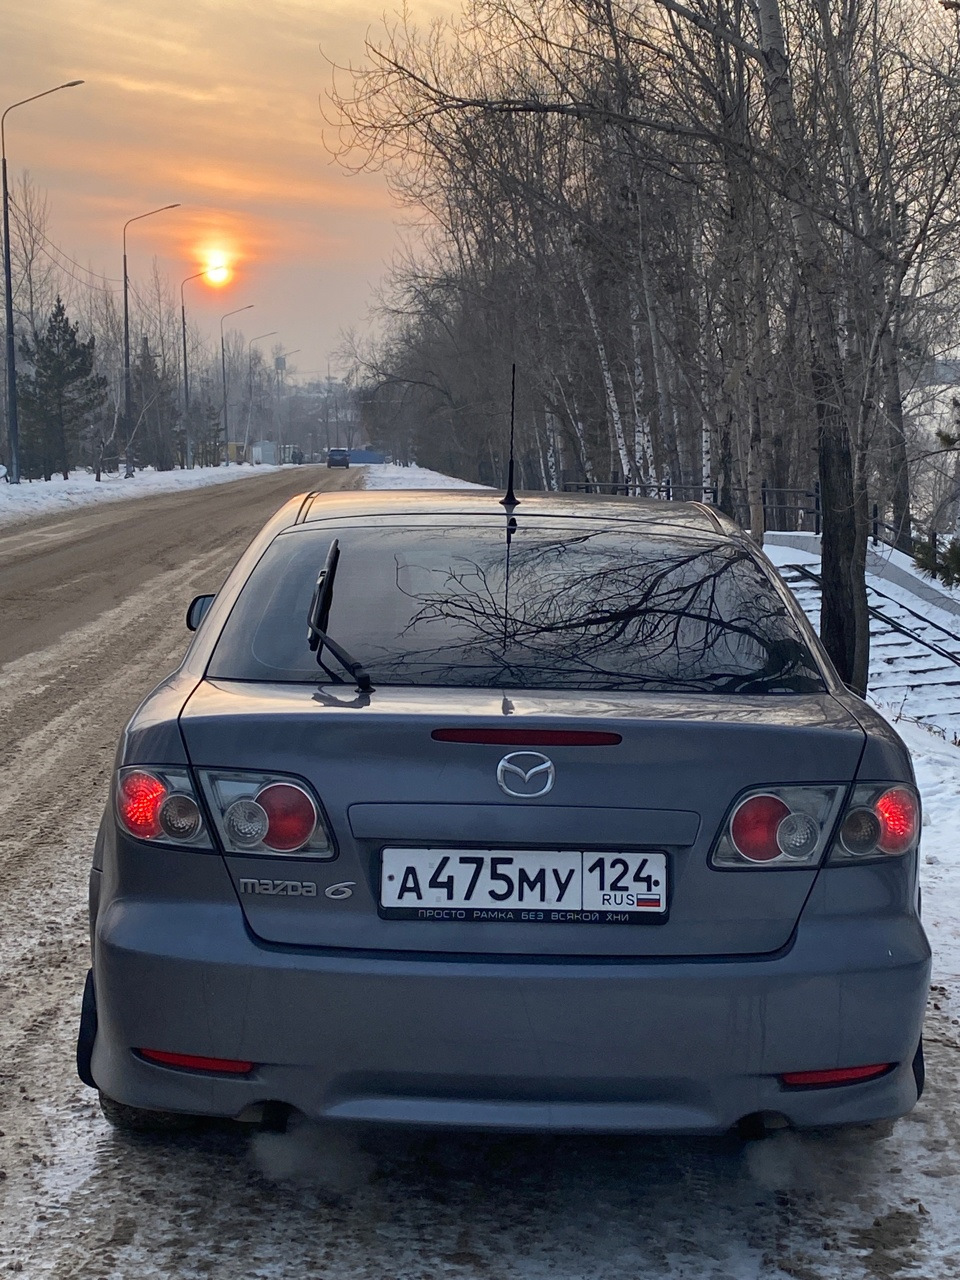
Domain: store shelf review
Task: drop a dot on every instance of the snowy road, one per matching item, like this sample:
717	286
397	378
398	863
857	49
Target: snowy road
81	1203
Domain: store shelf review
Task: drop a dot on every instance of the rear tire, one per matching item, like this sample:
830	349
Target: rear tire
137	1120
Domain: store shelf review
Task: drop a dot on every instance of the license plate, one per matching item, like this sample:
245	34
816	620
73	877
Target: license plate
545	886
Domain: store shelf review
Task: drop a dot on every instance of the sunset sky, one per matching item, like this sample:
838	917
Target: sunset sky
212	103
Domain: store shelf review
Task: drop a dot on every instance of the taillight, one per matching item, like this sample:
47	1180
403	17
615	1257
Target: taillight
158	804
778	827
754	827
291	816
139	797
882	820
899	814
266	814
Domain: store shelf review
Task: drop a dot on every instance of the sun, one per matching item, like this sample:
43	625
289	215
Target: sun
217	269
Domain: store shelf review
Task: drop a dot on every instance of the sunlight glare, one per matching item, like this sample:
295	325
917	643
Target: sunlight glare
218	268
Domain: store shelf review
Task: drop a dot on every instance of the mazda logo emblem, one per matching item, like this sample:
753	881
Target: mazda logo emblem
526	775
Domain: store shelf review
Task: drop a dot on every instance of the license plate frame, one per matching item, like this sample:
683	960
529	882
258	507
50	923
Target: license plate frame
608	886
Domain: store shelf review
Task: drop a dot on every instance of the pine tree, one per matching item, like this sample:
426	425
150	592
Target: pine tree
58	395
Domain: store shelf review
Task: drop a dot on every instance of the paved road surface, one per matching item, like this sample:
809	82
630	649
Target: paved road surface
92	616
57	574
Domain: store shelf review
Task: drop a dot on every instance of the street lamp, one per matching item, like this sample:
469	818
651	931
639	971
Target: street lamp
13	425
223	370
246	436
128	471
280	368
186	380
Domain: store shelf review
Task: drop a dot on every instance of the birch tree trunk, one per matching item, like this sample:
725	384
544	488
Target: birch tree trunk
613	407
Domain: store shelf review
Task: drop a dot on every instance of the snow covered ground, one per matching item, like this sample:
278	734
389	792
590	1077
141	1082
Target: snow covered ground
391	476
79	1200
39	497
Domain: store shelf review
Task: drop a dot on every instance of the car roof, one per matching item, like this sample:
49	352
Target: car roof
653	514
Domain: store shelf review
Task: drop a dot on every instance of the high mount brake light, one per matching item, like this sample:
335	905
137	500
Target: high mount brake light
157	803
530	737
882	820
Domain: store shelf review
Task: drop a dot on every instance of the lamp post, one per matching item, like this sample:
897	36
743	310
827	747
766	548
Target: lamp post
223	371
128	452
186	377
280	368
13	425
246	438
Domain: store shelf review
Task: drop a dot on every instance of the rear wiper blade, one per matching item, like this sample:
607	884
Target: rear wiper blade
318	614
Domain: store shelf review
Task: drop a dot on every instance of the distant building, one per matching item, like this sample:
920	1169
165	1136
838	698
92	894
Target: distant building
263	451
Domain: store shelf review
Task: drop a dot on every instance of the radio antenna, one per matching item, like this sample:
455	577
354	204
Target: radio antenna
509	499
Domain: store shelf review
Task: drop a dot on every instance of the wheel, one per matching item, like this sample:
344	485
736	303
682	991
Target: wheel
137	1120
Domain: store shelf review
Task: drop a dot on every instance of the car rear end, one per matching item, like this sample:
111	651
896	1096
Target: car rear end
621	907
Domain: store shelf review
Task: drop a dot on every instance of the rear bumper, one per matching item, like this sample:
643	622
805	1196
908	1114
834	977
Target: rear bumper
654	1047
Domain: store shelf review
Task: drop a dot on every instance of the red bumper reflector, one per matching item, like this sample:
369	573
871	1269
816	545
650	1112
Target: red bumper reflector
231	1066
529	737
841	1075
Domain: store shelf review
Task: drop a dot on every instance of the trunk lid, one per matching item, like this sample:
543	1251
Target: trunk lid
384	781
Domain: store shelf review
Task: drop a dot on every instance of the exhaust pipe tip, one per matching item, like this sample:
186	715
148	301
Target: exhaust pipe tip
759	1125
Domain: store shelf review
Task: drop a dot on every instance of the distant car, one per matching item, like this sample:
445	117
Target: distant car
338	458
551	816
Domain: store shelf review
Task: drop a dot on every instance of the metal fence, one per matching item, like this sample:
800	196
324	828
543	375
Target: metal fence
784	510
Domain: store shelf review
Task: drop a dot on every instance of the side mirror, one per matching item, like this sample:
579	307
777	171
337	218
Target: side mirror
198	610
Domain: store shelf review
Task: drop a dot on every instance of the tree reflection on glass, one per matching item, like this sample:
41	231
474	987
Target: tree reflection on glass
611	612
587	607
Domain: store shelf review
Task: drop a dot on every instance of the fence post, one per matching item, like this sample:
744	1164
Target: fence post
933	548
816	507
876	523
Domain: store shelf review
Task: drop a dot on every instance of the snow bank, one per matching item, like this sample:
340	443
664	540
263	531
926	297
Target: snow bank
389	475
40	497
937	766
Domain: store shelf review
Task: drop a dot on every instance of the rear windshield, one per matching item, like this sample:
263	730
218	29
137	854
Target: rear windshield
572	606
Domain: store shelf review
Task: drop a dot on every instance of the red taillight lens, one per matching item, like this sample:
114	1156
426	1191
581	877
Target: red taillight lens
839	1075
882	819
753	828
190	1062
899	816
140	797
292	816
158	803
